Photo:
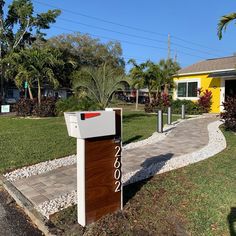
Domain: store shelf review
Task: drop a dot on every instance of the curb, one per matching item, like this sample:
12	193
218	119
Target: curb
37	218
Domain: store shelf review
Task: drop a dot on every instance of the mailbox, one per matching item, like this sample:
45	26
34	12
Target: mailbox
92	124
99	186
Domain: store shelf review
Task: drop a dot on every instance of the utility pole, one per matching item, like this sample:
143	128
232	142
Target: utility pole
168	55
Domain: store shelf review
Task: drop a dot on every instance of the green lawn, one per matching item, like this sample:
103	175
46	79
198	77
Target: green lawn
196	200
27	141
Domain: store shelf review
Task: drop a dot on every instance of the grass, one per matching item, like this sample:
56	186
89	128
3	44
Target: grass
196	200
27	141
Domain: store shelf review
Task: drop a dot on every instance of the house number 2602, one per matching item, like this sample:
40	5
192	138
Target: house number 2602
117	172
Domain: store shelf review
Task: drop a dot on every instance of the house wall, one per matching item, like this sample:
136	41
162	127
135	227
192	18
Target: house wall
212	84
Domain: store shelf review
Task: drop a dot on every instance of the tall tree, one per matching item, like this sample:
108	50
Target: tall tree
223	23
34	65
167	68
141	76
99	83
20	26
81	50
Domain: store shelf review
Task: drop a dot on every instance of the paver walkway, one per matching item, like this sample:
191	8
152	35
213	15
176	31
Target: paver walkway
187	137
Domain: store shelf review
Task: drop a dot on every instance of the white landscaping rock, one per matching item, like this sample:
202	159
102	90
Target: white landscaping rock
40	168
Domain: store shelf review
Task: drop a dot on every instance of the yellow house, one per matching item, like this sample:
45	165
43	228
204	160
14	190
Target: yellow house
217	75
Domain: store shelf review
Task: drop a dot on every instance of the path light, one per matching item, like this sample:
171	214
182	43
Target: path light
160	121
169	116
183	111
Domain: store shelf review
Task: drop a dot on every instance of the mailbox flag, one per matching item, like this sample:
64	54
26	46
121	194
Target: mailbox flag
89	115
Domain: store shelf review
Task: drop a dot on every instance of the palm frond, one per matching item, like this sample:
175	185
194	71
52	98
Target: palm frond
223	23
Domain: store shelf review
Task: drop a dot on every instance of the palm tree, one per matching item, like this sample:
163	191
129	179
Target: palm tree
167	68
223	23
141	77
34	65
100	83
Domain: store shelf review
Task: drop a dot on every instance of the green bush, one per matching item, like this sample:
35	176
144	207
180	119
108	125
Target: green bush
191	108
74	104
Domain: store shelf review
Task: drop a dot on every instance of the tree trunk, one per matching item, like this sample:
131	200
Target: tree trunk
137	95
39	93
30	92
166	90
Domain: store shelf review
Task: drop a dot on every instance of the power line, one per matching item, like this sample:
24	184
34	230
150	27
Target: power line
128	42
125	26
137	36
100	19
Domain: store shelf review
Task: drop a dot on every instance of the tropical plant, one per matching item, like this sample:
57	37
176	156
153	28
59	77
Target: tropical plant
223	23
99	83
141	76
153	76
167	68
35	66
19	26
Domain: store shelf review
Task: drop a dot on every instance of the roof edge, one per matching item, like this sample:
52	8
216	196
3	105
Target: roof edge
203	72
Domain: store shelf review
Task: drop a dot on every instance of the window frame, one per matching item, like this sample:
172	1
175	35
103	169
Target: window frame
188	81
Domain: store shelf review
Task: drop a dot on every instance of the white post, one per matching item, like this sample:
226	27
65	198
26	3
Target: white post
81	181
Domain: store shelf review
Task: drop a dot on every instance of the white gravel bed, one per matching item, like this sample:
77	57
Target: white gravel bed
48	208
216	144
40	168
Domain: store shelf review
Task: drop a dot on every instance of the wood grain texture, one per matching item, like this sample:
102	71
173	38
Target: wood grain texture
101	197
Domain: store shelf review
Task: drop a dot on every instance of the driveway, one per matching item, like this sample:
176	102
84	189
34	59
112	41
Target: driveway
13	222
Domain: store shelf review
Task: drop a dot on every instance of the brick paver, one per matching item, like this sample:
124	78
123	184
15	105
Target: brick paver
187	137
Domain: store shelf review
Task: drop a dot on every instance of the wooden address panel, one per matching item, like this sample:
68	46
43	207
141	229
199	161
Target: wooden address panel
103	174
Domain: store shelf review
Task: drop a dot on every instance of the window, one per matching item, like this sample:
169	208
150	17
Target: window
187	89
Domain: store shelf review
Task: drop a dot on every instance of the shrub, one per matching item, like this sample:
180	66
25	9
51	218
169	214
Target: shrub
46	108
229	114
24	107
28	107
161	103
191	108
205	100
74	104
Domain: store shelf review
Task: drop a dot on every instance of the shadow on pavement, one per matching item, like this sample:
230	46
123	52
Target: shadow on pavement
150	167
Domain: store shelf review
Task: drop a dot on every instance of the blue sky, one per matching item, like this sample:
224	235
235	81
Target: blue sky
191	25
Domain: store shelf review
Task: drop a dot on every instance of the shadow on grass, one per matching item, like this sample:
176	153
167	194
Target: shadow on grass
150	167
133	139
232	221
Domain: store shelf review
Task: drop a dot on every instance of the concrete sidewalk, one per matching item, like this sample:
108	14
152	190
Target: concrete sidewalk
187	137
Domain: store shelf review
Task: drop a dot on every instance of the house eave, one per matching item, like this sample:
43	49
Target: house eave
202	72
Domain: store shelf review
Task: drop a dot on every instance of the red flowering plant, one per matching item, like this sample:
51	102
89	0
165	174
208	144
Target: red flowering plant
229	114
205	100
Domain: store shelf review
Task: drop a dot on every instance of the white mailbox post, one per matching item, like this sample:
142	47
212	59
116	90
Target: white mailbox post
99	188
